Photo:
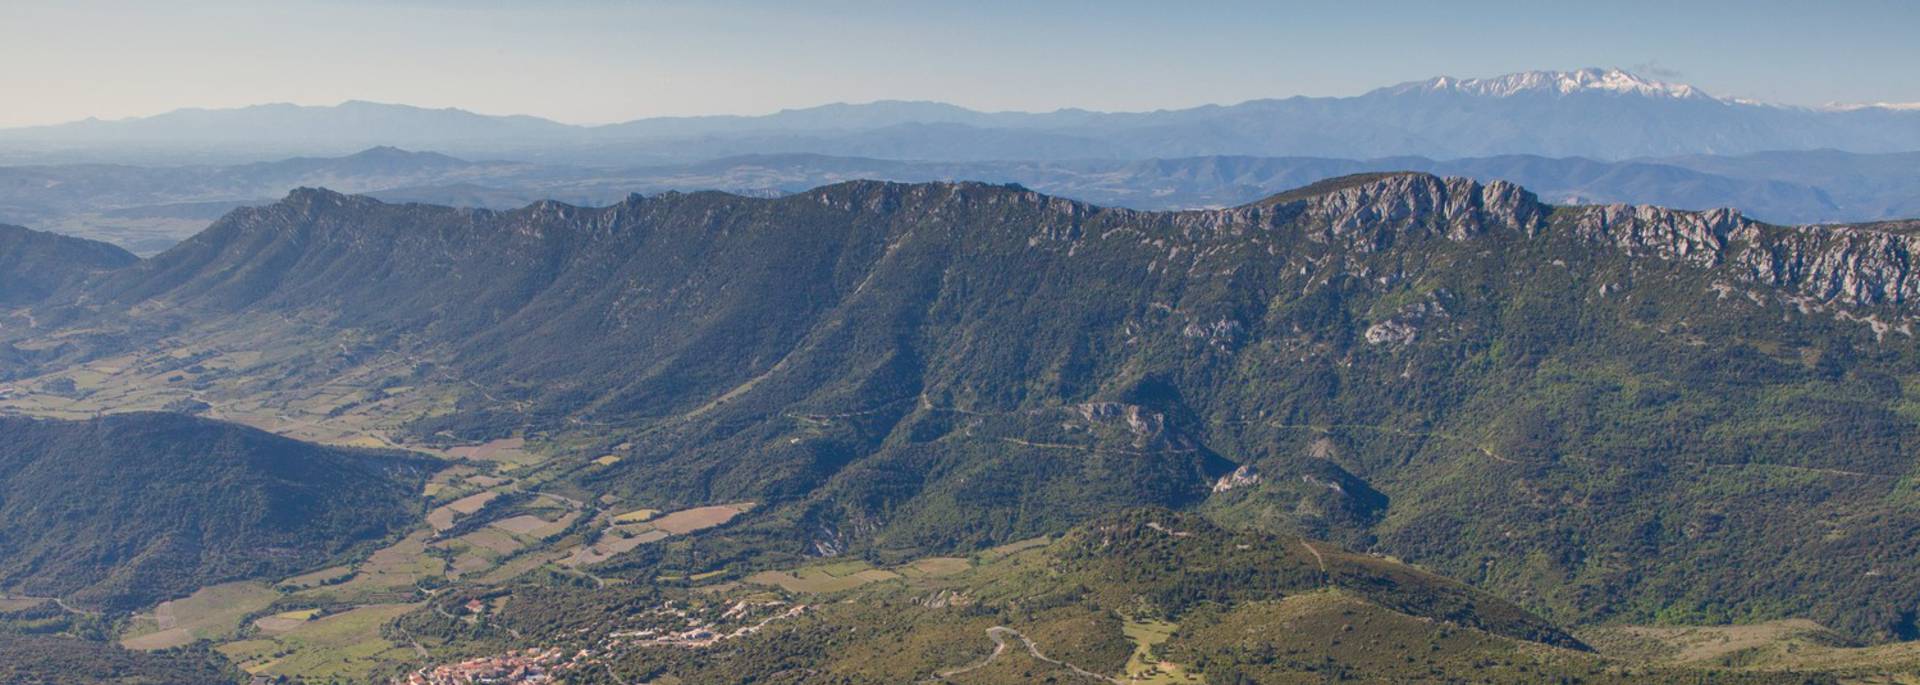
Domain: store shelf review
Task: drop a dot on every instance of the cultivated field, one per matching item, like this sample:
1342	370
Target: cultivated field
699	518
346	646
443	517
636	528
828	578
285	621
213	612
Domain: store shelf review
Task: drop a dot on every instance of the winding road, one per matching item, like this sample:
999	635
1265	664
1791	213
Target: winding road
999	636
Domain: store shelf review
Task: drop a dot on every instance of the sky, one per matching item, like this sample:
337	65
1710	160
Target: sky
602	61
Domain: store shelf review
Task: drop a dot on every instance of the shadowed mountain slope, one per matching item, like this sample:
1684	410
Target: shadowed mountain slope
129	509
34	264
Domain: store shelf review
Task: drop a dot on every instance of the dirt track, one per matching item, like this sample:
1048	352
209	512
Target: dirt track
999	636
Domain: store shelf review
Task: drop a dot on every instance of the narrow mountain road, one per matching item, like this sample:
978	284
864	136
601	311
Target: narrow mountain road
563	499
72	610
611	674
883	406
999	647
416	643
1483	449
1322	561
1805	469
1091	449
999	635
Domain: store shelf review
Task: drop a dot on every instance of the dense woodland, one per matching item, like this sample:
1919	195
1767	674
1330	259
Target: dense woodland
126	510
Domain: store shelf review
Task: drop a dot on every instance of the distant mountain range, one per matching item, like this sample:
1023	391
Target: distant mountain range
1603	114
146	209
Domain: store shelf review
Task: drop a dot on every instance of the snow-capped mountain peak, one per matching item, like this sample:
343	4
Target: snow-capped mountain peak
1892	106
1555	82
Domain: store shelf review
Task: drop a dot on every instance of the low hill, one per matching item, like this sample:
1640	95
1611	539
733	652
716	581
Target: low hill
33	264
1141	595
49	660
125	510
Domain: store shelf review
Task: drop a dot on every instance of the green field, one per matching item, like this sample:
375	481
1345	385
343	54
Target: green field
1142	666
212	613
387	573
346	645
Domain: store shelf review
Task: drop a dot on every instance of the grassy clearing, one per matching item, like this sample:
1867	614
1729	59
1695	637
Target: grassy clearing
1142	666
211	613
834	577
934	567
1012	548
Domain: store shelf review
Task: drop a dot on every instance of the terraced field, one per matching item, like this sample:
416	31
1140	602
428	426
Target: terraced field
635	528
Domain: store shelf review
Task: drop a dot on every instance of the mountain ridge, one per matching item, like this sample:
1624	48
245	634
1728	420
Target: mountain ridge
1351	201
1639	117
840	356
150	208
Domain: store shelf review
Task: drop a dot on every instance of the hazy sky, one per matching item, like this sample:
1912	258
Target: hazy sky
597	61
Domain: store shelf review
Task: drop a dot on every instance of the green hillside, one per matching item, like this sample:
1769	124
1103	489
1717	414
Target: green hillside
1142	595
126	510
33	264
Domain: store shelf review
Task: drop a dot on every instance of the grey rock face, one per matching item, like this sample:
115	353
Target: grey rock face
1697	237
1241	477
1856	266
1370	216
